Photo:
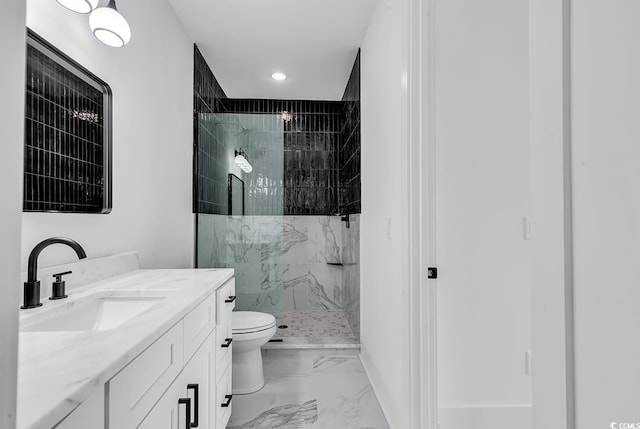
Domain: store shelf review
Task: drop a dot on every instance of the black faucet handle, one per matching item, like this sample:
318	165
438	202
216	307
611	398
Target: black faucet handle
58	286
58	276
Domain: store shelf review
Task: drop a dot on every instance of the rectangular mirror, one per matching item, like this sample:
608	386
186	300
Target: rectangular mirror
67	157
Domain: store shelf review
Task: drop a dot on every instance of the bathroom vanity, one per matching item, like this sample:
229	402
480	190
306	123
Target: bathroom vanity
144	349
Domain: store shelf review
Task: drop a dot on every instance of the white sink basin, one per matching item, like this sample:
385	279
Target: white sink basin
97	313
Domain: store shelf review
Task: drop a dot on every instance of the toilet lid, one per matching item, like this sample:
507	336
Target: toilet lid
251	321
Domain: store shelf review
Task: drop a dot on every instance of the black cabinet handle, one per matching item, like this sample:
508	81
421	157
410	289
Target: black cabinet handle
226	403
187	402
194	387
230	299
227	343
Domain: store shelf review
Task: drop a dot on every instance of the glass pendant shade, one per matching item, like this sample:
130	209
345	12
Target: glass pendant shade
80	6
244	165
109	26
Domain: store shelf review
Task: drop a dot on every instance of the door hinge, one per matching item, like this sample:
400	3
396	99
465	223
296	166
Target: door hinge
432	273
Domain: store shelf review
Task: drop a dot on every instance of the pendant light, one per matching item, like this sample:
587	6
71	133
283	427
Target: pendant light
109	26
80	6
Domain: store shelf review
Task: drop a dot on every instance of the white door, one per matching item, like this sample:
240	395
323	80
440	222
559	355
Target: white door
482	201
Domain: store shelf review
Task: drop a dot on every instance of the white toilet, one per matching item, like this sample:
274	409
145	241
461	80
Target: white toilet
251	330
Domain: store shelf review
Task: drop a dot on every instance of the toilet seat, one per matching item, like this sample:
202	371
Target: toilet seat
248	322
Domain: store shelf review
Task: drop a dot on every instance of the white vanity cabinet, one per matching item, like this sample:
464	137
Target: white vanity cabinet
133	391
186	404
221	377
181	381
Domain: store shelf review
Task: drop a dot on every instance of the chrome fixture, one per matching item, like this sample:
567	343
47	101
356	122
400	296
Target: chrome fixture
32	285
242	161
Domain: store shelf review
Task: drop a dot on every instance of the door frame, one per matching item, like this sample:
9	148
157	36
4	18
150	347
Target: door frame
12	48
553	398
419	125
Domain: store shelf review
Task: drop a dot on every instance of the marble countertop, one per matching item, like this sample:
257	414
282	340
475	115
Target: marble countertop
57	371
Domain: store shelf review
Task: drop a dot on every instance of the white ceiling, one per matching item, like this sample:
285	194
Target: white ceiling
314	42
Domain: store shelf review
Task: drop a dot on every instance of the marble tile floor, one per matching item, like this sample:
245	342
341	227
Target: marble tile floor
306	391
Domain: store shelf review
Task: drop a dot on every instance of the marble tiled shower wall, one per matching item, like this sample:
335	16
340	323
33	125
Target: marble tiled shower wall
286	263
321	266
254	247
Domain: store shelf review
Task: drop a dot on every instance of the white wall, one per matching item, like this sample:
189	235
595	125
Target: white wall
384	268
151	79
11	136
482	181
606	182
550	263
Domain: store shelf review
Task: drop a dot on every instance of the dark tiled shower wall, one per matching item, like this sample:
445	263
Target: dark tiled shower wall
210	187
312	134
349	151
321	146
207	92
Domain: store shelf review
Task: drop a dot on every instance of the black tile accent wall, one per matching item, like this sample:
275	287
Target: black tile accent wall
321	147
312	133
210	175
66	154
349	151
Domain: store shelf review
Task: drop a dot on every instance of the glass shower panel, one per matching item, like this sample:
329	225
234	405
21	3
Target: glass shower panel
252	243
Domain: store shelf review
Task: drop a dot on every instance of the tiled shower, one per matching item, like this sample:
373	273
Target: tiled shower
290	228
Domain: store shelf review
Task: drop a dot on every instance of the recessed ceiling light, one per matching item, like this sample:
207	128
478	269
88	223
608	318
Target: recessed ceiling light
279	76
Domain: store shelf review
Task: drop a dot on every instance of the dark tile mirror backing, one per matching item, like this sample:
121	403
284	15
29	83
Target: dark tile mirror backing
67	157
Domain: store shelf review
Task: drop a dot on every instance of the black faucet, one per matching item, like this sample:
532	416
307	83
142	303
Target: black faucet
32	285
